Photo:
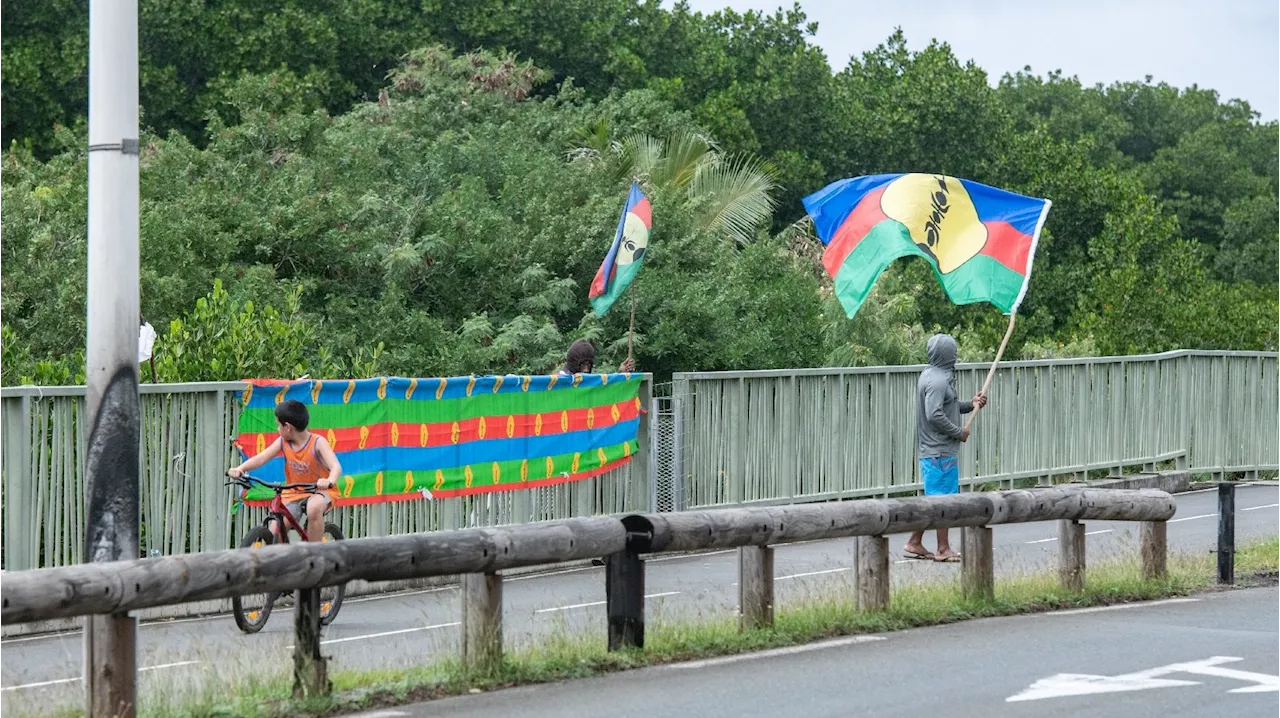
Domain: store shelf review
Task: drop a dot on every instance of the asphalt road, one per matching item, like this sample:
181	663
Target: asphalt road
393	631
1214	655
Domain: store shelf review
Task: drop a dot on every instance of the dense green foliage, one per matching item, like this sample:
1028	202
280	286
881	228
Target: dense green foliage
448	217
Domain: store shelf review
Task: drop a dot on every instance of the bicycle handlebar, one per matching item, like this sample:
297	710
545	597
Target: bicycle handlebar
246	481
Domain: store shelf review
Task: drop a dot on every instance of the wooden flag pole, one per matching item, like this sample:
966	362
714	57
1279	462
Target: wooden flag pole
992	371
631	335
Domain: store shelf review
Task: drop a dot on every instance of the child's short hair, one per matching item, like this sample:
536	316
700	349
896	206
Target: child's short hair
293	413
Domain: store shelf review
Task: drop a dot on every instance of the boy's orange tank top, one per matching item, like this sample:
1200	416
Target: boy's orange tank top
303	466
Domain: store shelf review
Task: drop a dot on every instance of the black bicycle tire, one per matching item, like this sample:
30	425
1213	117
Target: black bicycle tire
327	618
243	622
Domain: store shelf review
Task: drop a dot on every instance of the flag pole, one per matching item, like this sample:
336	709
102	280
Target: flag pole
631	335
991	372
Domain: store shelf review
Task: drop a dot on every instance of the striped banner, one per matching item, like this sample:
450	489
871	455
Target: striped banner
401	439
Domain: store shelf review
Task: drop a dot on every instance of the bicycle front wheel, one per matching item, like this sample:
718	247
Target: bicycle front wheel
331	596
252	611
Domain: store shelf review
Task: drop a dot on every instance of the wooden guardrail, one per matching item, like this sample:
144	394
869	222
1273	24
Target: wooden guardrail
478	554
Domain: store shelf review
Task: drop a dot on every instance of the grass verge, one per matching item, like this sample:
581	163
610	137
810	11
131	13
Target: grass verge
566	655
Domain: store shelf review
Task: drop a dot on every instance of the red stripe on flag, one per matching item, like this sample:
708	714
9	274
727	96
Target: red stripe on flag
861	219
409	435
1007	245
644	211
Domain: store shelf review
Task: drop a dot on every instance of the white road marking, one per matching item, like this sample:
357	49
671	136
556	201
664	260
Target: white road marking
381	714
1086	533
598	603
1255	508
1119	606
812	573
789	650
1079	684
78	678
1192	518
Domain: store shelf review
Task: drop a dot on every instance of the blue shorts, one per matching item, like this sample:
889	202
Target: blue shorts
941	475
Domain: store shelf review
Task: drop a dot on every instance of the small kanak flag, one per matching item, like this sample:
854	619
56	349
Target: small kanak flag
980	240
625	255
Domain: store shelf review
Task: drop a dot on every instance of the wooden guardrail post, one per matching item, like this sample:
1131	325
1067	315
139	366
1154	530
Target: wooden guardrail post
624	599
1153	545
482	620
977	570
755	587
1071	554
873	573
310	669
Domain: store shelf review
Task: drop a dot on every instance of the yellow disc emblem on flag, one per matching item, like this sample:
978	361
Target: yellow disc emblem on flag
333	440
377	484
439	479
247	395
537	425
564	421
262	443
351	484
444	384
591	418
422	434
395	433
524	385
471	384
454	432
511	427
577	459
382	388
480	428
280	394
601	457
413	384
940	216
524	470
497	384
408	481
469	477
315	392
614	413
497	472
551	467
351	389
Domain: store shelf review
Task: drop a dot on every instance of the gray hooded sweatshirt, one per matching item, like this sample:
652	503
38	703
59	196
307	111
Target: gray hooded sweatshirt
938	408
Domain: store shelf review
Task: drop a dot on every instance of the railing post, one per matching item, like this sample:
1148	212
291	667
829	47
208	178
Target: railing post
1153	545
482	621
977	570
1071	555
310	669
1226	533
873	573
755	587
624	599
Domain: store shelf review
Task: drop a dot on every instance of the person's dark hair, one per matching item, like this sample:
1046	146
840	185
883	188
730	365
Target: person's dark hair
580	354
293	413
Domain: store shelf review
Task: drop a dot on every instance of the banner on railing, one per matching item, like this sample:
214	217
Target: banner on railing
401	439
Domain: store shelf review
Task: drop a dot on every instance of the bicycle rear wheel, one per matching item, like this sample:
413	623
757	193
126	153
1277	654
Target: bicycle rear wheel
331	596
252	611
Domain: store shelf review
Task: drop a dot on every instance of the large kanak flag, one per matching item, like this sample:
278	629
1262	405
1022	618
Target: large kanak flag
625	254
980	240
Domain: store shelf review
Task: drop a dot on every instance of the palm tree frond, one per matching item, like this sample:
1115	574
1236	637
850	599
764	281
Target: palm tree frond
738	196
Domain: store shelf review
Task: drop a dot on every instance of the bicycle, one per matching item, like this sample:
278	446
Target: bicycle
250	613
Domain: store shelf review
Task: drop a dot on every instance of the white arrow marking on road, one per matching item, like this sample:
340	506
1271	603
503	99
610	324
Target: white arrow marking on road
1079	684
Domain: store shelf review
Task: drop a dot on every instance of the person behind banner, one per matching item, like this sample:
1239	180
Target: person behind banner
939	435
308	458
581	359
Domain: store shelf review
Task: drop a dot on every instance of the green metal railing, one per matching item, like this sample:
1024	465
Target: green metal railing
184	453
781	436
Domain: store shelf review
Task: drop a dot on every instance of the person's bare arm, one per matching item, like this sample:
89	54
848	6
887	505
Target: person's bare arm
256	460
330	461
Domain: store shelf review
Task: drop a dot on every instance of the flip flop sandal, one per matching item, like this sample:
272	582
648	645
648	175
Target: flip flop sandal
926	556
953	558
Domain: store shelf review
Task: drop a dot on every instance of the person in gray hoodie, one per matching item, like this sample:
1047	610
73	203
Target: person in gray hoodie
938	435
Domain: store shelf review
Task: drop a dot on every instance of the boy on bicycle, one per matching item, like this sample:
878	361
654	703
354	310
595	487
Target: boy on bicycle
308	458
